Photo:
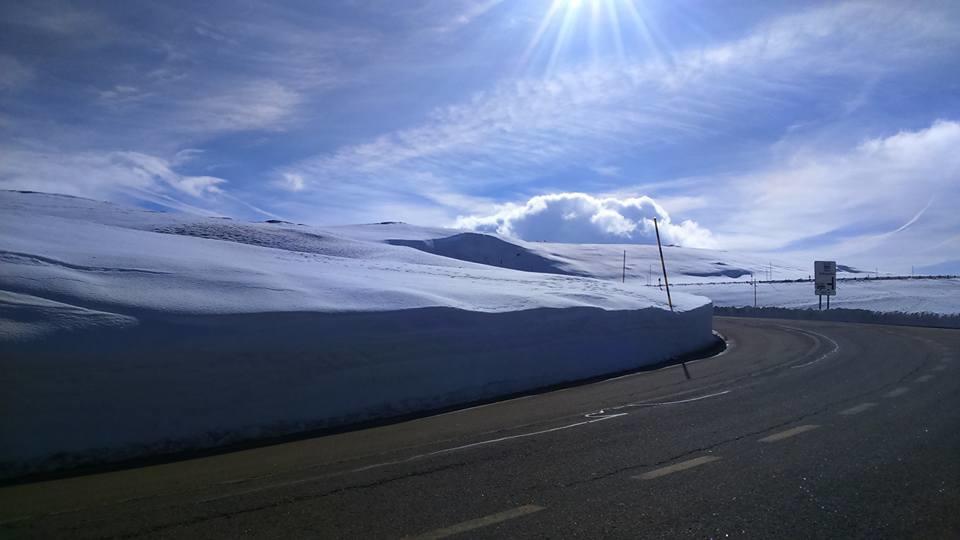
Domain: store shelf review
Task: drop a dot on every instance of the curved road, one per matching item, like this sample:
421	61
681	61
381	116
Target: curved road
800	429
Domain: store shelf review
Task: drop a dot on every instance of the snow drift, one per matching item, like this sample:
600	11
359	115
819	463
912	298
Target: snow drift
125	332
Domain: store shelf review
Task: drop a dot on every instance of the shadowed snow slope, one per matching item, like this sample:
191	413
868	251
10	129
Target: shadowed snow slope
603	261
125	332
489	250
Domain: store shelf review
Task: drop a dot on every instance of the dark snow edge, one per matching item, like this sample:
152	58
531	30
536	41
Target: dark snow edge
933	320
111	394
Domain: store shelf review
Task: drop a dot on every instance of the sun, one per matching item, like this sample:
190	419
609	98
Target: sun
591	28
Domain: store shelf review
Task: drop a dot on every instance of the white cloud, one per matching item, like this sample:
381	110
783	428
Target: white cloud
582	218
261	104
523	129
873	197
292	182
100	175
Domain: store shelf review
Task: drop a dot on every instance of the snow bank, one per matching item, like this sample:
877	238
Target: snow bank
125	332
937	296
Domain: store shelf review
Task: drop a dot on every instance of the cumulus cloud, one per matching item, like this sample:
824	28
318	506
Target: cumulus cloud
583	218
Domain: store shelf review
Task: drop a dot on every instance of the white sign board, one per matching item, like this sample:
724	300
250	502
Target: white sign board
825	278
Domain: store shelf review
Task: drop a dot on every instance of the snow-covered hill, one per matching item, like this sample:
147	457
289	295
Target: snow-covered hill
125	332
603	261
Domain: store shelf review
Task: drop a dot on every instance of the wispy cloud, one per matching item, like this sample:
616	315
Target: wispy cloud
885	185
103	175
253	105
523	129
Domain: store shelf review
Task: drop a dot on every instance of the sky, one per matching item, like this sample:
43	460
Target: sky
804	129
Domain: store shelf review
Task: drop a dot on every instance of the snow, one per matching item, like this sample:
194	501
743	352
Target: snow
941	296
105	256
722	276
602	261
126	332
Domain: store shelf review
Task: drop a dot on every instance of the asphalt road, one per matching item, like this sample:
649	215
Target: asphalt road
799	430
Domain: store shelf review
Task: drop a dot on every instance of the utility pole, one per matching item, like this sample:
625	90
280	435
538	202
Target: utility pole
754	289
663	265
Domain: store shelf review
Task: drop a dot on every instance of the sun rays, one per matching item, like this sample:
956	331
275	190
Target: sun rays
581	31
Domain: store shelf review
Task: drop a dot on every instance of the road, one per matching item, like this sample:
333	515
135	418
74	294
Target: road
800	430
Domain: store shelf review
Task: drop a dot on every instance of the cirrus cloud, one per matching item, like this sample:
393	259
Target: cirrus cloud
583	218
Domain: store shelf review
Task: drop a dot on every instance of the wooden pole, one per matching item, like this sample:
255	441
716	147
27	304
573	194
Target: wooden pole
663	265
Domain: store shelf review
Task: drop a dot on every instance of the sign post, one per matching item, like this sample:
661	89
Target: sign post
825	280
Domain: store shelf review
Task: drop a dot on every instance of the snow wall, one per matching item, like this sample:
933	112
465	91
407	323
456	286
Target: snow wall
153	385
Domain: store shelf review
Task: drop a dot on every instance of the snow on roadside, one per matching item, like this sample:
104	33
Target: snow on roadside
125	332
941	296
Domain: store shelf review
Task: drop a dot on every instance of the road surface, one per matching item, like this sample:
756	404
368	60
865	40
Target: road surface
800	429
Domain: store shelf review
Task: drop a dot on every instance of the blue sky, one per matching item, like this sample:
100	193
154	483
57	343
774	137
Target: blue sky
810	129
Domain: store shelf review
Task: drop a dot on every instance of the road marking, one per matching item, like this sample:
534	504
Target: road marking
485	521
677	467
836	346
660	403
858	409
406	460
788	433
924	378
897	392
941	367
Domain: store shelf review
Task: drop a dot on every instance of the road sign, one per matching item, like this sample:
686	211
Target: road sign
825	278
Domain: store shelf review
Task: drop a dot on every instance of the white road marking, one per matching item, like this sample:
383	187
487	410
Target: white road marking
591	418
858	409
897	392
661	403
924	378
408	459
485	521
941	367
836	347
788	433
677	467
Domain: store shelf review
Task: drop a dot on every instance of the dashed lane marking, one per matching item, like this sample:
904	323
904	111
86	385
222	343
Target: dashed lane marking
485	521
788	433
677	467
941	367
897	392
857	409
923	378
